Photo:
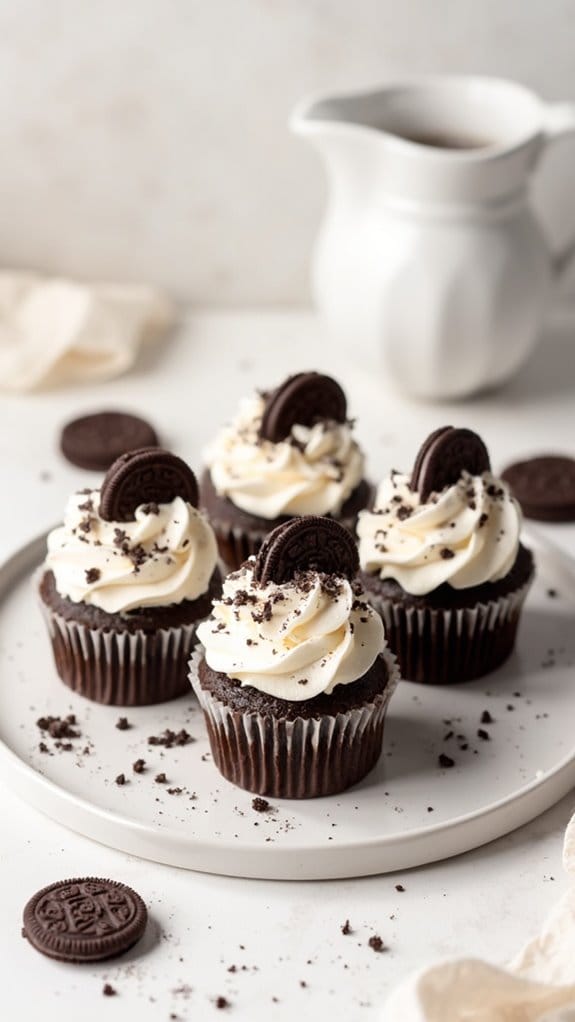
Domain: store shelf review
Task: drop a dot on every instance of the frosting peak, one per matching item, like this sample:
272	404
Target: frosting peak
292	640
312	472
464	536
166	555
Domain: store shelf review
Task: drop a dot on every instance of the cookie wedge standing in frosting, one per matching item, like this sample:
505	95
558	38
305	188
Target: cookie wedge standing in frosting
294	677
288	453
126	580
442	561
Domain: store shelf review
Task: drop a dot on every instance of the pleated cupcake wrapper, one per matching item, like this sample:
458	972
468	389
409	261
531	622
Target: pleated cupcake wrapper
442	647
236	545
121	668
301	758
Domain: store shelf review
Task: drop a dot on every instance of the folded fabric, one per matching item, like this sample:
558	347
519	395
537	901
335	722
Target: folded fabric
55	331
537	986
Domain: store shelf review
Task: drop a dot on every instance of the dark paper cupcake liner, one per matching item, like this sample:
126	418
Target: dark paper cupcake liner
443	647
121	668
301	758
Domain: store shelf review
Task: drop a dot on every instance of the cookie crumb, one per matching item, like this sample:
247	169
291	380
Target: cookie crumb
160	778
121	779
400	888
445	761
108	990
170	738
261	805
222	1002
376	943
346	928
486	717
139	766
123	724
484	735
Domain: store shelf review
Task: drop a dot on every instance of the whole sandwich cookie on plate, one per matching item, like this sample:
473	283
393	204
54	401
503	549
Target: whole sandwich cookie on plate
127	579
288	453
442	561
294	678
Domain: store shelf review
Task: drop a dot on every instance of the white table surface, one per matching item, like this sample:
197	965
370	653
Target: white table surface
284	938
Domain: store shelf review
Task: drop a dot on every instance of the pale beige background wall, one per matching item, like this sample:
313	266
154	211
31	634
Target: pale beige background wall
146	139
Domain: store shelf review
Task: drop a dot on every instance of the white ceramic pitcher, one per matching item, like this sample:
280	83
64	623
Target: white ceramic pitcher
429	251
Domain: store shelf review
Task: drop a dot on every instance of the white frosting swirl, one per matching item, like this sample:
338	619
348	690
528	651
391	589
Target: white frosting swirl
313	472
167	555
291	641
466	535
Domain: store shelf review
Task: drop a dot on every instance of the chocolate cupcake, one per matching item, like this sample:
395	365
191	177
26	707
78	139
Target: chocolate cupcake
127	579
442	562
294	678
288	453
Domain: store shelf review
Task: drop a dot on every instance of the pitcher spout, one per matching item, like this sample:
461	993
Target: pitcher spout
349	146
335	114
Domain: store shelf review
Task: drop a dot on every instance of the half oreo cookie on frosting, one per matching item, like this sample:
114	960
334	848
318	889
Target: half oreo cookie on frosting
444	456
312	543
302	400
149	475
295	678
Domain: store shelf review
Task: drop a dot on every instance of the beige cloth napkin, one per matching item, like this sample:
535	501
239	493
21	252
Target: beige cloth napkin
55	331
538	985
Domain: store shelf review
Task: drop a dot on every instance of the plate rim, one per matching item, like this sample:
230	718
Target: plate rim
529	801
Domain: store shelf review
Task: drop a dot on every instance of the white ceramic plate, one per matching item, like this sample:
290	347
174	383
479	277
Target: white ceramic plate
407	812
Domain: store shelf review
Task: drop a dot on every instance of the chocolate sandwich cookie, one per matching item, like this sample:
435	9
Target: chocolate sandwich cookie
302	400
149	475
95	441
85	920
544	486
443	457
306	544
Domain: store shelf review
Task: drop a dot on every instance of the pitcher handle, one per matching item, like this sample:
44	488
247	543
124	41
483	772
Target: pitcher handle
559	120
